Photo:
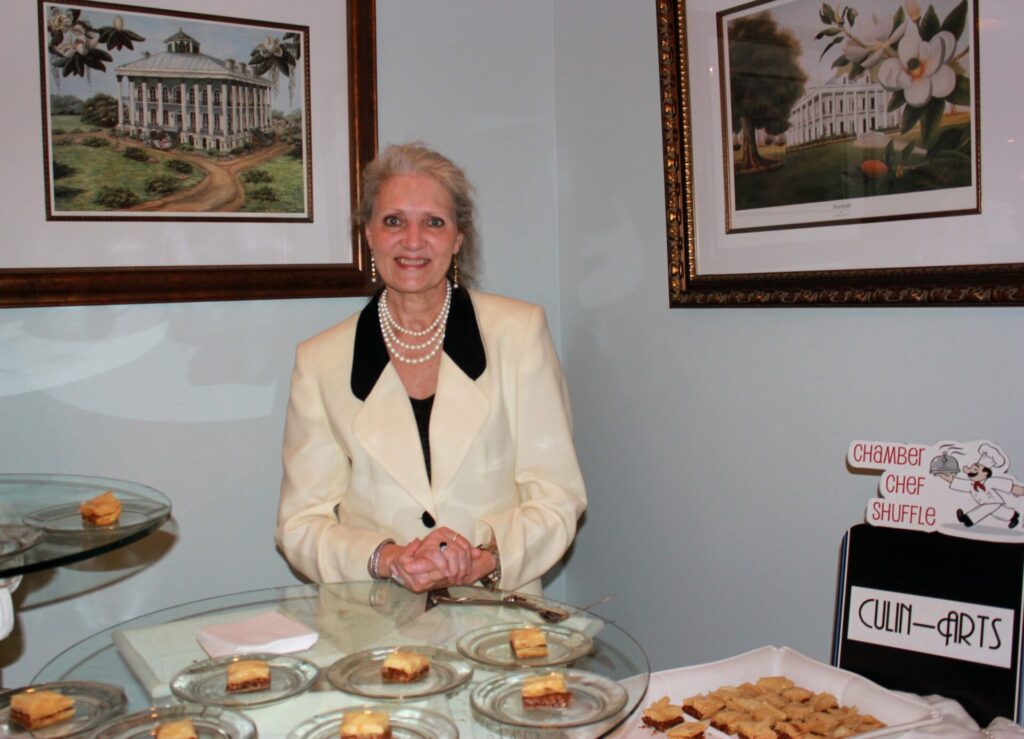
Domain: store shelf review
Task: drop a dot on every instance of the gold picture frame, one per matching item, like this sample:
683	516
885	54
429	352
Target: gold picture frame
30	275
905	257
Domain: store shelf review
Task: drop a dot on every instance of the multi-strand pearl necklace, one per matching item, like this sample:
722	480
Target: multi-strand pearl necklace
390	328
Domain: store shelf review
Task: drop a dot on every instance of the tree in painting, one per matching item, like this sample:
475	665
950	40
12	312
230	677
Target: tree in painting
765	80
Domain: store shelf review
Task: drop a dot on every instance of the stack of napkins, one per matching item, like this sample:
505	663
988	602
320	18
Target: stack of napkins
268	632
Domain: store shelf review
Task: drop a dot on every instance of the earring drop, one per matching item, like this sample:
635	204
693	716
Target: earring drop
455	270
373	268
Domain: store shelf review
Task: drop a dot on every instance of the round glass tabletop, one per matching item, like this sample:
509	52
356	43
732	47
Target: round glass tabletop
40	525
144	655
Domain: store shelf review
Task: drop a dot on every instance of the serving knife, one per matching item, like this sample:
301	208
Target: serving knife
441	596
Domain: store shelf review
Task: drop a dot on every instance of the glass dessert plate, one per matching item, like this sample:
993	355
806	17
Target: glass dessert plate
206	682
407	722
65	519
94	704
490	646
594	698
360	673
209	721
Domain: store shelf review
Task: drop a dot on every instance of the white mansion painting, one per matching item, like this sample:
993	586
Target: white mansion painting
152	114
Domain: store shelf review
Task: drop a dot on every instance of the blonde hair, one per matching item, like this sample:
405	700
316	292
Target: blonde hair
416	158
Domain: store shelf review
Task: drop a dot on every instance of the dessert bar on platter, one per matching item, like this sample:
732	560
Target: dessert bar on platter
898	713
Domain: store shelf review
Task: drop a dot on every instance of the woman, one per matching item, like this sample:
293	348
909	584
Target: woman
428	438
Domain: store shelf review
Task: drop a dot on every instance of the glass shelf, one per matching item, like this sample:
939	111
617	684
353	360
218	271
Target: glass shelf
42	502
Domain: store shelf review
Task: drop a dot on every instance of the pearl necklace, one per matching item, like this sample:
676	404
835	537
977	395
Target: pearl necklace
436	330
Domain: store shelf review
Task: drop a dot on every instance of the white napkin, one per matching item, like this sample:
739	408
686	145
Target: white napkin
7	587
268	632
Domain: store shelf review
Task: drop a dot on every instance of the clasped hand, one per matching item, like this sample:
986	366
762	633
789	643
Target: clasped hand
442	558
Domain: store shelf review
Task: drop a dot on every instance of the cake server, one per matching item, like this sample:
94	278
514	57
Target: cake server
442	596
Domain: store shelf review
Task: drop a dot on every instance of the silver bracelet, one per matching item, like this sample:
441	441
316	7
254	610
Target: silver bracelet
373	564
492	579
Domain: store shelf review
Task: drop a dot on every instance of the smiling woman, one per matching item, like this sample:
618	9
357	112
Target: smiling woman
428	439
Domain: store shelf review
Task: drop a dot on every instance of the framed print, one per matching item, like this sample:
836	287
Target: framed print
840	153
180	151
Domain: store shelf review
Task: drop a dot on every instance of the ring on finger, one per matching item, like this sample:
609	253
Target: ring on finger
442	546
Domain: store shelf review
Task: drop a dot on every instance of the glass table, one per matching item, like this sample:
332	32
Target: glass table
40	527
356	620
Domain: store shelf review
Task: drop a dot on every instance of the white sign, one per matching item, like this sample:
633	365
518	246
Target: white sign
945	628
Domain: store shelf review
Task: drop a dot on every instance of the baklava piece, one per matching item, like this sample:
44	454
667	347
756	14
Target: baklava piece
662	715
729	720
775	683
765	711
857	723
702	706
819	723
789	730
797	694
183	729
688	730
867	722
739	703
248	675
797	711
747	690
34	709
365	725
546	691
824	702
103	510
404	667
773	698
755	730
528	642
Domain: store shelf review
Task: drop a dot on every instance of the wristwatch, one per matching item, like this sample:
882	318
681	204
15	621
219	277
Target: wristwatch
492	578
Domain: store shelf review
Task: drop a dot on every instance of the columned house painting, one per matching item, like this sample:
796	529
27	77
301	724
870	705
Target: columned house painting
858	110
153	113
210	103
841	107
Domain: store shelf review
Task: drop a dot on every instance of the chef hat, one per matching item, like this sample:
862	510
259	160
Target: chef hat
989	456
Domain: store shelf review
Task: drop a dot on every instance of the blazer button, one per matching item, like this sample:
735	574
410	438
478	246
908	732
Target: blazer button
428	520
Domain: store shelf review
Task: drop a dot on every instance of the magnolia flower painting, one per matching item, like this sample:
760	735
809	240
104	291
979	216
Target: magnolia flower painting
861	109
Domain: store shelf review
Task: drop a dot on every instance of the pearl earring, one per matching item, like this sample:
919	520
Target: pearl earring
373	268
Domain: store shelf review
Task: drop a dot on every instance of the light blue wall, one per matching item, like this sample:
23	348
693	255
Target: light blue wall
190	398
714	441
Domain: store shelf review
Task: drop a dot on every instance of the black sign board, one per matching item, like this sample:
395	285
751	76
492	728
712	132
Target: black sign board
929	613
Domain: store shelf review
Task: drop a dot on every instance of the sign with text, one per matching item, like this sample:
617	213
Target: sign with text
945	628
927	613
959	488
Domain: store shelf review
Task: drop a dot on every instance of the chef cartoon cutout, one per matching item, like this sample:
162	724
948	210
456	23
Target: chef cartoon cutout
994	494
958	488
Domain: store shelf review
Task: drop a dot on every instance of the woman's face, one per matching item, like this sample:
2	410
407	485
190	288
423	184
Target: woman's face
413	233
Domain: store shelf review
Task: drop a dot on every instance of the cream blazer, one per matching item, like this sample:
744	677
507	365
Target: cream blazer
504	468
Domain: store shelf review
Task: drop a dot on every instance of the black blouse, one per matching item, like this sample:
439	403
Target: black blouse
421	408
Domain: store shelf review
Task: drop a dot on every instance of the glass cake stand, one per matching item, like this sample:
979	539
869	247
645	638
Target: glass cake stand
40	527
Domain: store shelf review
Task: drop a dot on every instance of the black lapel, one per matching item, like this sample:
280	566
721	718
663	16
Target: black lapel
462	343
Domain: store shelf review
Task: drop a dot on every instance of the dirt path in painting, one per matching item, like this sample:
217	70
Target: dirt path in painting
220	191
